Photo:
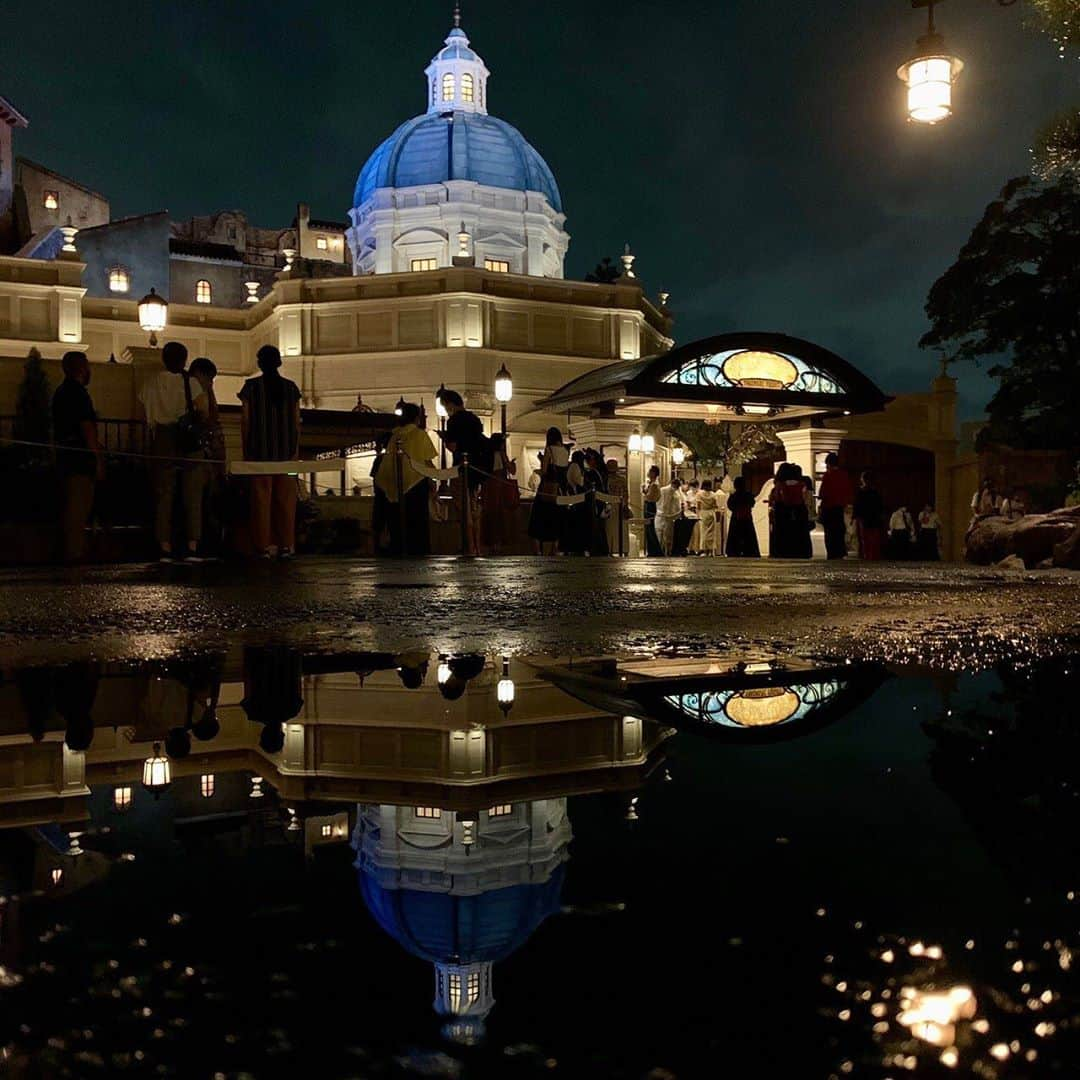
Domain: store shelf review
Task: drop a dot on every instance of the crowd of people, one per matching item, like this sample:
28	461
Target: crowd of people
185	451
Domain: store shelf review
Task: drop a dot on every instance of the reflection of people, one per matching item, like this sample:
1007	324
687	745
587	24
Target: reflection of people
270	427
79	460
272	684
76	689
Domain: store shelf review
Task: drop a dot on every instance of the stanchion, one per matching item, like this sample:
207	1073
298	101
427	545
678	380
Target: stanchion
400	467
622	542
464	481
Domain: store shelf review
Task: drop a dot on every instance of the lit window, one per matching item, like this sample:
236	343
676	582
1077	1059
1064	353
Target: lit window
474	986
322	243
327	830
121	798
455	993
498	266
207	785
430	812
56	875
424	264
119	279
51	200
467	88
448	87
504	810
202	292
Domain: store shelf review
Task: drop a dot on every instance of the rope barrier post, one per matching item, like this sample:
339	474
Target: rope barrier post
622	542
464	504
400	468
344	472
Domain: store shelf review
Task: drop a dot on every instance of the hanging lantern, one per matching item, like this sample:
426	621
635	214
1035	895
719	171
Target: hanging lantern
153	312
157	772
633	444
648	444
930	74
678	456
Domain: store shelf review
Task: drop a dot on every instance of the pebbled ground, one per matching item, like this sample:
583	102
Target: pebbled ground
942	616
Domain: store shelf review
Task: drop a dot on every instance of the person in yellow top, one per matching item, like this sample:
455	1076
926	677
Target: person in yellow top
399	480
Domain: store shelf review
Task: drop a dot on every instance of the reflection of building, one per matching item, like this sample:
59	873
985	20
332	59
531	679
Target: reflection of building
462	891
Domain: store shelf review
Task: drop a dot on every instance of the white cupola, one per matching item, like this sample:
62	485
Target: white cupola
457	77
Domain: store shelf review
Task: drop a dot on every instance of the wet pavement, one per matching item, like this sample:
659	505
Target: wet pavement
940	615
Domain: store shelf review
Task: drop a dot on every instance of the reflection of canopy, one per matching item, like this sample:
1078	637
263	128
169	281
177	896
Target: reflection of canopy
762	701
743	376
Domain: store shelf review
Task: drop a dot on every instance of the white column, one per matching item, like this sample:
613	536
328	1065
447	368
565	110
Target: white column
806	447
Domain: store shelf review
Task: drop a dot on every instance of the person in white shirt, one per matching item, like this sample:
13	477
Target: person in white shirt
669	508
163	401
901	534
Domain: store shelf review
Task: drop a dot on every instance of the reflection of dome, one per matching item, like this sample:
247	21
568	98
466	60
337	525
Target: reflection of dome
762	707
442	928
434	148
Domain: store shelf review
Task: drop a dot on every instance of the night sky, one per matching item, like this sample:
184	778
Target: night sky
754	153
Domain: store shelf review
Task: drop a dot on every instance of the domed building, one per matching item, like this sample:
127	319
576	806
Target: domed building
462	892
457	183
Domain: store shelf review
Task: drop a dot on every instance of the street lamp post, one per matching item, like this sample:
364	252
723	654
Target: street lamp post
153	312
504	392
930	74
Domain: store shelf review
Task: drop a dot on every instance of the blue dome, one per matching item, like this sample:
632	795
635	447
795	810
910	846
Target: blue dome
434	148
441	928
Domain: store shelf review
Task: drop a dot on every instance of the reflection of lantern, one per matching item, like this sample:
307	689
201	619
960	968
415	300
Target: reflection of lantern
929	76
505	690
153	312
762	707
443	672
764	370
157	772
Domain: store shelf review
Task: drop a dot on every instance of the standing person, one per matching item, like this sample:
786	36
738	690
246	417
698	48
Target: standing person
791	519
669	509
203	477
545	522
742	541
500	498
80	462
985	501
869	517
835	494
595	482
575	521
651	496
901	534
410	537
163	402
464	435
617	488
270	429
929	542
707	507
693	541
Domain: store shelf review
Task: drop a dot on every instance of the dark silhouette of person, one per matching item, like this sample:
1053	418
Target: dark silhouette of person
76	689
177	743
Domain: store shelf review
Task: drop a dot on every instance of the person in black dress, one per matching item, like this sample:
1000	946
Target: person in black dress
545	519
742	541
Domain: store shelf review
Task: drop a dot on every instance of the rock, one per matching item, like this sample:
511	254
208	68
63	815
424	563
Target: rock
1032	537
1010	562
1067	553
1046	564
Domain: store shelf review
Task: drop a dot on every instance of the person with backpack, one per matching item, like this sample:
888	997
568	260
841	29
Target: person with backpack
464	437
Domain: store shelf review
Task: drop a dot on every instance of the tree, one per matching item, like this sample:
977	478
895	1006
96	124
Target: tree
33	409
727	445
1057	147
605	273
1011	296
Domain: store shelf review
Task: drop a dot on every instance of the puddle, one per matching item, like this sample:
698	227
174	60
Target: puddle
375	864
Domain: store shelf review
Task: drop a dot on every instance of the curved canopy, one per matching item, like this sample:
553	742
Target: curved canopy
741	376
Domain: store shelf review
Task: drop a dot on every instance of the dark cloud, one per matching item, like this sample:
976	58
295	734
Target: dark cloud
754	153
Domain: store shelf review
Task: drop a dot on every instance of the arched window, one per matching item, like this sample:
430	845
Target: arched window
203	294
119	279
448	87
467	88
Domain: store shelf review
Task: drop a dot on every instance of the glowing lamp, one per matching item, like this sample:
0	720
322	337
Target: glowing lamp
153	313
764	370
648	444
504	386
633	444
156	772
678	456
443	672
399	408
929	80
505	691
122	798
440	408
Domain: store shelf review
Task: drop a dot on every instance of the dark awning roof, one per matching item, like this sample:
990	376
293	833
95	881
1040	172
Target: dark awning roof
740	376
